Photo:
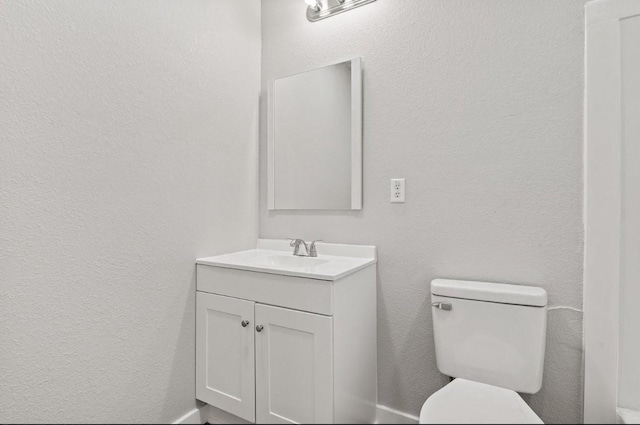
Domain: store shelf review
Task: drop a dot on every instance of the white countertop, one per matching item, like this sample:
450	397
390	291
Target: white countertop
334	261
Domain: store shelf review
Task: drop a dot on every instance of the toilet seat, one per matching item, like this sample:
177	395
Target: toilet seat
466	402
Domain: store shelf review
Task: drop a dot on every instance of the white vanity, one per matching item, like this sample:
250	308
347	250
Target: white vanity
286	339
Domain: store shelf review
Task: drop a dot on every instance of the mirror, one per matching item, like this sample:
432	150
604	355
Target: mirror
315	139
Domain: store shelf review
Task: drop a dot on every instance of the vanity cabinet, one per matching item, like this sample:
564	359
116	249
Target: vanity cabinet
294	366
261	361
225	354
287	349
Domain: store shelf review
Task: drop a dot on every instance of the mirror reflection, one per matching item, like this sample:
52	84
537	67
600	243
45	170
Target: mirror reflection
315	140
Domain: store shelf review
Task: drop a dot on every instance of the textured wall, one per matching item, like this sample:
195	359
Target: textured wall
478	103
123	127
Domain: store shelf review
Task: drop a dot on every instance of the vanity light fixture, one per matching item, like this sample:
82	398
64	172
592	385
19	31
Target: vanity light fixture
322	9
314	5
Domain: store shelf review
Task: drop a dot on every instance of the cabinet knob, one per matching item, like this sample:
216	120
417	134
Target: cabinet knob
245	323
259	328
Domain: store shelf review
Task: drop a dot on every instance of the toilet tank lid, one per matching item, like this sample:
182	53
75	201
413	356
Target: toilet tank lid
491	292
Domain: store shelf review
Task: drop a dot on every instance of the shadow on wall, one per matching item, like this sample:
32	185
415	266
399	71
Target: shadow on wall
412	390
557	400
182	374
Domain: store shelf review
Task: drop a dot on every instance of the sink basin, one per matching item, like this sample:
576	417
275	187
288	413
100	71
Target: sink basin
275	256
294	262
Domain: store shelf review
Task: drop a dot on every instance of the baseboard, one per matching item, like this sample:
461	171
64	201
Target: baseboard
384	415
196	416
387	415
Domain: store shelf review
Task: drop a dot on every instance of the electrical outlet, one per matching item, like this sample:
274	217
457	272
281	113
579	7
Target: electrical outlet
397	191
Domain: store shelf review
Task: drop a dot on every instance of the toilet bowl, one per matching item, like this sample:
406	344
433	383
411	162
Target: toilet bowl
468	402
491	338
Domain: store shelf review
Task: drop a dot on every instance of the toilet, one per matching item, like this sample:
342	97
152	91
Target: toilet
490	338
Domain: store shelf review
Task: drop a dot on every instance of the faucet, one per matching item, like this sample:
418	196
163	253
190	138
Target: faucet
310	249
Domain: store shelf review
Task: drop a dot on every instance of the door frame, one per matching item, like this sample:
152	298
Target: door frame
602	205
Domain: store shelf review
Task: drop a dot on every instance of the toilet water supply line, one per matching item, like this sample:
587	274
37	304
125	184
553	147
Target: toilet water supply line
564	307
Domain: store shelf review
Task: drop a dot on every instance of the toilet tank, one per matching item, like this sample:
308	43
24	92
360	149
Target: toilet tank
490	333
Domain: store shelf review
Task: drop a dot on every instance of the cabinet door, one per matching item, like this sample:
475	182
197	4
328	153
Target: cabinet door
225	354
294	366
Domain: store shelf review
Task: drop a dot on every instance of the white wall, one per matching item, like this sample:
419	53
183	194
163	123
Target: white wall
629	357
478	104
124	129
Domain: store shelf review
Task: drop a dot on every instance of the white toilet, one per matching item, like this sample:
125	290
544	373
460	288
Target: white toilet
491	338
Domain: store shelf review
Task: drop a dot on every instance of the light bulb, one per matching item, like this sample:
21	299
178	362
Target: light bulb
313	4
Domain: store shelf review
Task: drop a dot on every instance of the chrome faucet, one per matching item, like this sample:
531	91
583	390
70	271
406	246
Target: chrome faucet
310	250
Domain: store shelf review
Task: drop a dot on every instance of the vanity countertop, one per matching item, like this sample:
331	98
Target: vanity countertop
334	261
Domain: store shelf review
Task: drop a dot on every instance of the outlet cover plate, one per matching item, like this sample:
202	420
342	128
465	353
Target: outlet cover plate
398	191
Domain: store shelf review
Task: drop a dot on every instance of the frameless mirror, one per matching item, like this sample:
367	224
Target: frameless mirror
315	139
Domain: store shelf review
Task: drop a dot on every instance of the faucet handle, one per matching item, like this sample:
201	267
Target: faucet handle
313	252
295	243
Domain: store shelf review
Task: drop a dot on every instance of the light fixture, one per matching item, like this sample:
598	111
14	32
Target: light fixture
319	9
315	5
